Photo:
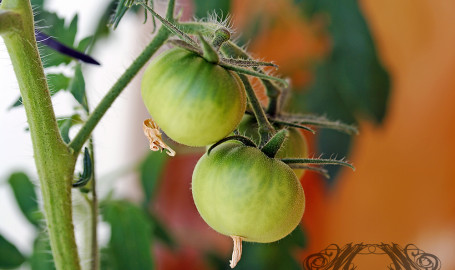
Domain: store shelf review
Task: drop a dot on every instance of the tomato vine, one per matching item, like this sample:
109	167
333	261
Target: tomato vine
236	166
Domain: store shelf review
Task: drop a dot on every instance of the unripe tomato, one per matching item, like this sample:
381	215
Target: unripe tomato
239	191
295	146
194	102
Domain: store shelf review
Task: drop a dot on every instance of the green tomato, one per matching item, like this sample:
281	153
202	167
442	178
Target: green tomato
295	146
194	102
239	191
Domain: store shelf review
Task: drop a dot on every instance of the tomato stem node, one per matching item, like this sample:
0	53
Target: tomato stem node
275	143
236	251
221	35
209	53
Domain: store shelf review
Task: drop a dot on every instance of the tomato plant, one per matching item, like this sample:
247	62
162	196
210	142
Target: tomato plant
197	93
194	102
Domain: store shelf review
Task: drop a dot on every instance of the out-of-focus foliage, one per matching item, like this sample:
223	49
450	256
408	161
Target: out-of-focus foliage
131	236
202	7
351	83
26	198
151	170
41	258
10	256
24	192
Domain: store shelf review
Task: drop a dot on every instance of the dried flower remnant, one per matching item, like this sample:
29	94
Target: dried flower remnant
153	133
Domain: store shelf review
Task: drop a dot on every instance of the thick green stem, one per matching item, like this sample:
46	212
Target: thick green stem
265	130
84	133
9	21
273	93
54	162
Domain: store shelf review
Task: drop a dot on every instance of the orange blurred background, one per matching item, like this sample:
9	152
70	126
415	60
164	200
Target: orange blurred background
403	188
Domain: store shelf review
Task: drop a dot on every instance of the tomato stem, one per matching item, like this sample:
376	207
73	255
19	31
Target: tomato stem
245	140
273	93
53	159
252	73
265	128
231	49
274	144
322	161
208	52
221	36
317	121
321	171
169	25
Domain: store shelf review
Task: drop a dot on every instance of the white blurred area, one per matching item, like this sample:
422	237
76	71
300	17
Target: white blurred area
119	142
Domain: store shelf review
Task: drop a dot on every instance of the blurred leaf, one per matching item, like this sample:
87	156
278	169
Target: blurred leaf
10	256
54	26
57	82
77	87
37	4
323	98
150	170
17	103
353	68
267	256
351	83
102	27
65	124
24	192
161	233
121	8
84	44
41	258
204	7
130	243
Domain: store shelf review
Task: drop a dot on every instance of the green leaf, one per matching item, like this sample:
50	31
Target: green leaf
87	173
54	26
130	242
84	44
10	256
65	124
57	82
204	7
354	69
37	5
160	231
24	192
41	258
122	7
323	98
150	170
77	87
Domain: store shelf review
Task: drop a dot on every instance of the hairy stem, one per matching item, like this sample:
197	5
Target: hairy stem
265	128
53	159
9	21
